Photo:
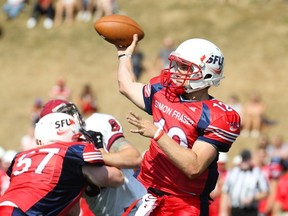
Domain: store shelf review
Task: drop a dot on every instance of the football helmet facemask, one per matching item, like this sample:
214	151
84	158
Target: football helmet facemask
197	61
62	106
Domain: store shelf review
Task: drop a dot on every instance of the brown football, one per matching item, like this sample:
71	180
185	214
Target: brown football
118	29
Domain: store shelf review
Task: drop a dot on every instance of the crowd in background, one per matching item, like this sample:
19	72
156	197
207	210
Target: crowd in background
55	13
269	194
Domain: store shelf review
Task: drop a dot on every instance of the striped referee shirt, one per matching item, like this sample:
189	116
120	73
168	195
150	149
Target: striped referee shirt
242	184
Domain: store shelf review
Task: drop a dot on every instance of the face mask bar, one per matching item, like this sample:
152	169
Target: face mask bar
181	69
178	73
71	110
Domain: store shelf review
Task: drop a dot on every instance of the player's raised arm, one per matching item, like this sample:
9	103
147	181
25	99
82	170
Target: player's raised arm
124	33
126	79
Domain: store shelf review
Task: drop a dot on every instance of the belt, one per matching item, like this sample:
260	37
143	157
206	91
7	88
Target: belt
157	192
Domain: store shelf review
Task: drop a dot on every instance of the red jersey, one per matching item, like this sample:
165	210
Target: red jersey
211	121
281	195
49	179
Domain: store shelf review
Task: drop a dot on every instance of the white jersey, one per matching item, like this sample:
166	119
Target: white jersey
113	201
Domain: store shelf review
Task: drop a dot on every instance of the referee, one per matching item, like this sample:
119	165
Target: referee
244	186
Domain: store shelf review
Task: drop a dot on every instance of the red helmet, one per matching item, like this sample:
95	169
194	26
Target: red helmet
62	106
51	105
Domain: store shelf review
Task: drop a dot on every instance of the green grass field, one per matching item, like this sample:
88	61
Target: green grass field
252	35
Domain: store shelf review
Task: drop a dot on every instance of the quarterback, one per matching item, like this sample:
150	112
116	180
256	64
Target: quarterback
190	127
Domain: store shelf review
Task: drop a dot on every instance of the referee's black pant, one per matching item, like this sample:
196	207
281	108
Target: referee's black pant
244	211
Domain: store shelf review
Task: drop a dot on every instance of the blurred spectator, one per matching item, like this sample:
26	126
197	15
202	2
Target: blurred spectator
65	9
137	61
12	8
35	111
2	151
264	141
85	11
42	8
87	102
4	178
260	155
280	207
244	186
253	114
60	90
7	158
234	102
276	168
272	170
162	58
214	207
105	8
236	160
278	148
27	140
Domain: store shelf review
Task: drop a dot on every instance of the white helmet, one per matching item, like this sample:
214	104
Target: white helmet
203	61
55	127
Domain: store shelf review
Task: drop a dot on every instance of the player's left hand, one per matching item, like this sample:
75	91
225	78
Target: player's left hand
144	127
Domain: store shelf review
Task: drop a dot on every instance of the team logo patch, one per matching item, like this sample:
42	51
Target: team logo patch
234	126
193	109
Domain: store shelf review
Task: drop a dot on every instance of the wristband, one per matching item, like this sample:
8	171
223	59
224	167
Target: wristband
124	55
159	133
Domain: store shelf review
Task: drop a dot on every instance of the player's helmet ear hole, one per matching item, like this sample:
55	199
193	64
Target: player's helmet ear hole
208	76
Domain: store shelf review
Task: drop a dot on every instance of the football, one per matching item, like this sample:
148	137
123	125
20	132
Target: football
118	29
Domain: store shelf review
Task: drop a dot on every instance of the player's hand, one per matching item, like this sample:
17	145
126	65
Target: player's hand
130	49
144	127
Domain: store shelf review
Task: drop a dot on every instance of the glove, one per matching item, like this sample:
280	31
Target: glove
96	138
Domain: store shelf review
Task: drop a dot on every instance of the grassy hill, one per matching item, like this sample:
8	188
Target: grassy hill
252	35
